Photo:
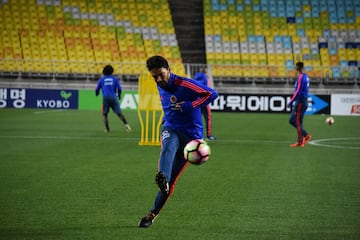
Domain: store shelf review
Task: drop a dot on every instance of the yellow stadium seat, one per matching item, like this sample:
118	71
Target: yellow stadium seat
219	58
254	59
236	59
298	57
358	54
280	59
342	54
351	53
263	72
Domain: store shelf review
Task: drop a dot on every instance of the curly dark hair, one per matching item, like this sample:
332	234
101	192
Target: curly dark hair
108	70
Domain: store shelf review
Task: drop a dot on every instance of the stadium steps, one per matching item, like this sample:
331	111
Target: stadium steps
189	27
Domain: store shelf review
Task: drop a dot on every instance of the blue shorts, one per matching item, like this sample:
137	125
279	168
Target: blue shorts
111	102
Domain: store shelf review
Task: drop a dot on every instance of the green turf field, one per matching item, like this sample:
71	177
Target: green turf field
62	177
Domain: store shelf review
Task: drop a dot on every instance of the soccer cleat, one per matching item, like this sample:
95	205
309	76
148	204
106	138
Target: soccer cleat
297	145
146	221
106	130
211	137
163	185
127	127
307	138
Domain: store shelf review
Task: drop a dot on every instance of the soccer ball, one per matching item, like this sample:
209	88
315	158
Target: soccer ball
329	120
197	151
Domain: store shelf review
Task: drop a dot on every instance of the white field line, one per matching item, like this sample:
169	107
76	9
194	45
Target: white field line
133	139
327	142
47	111
69	138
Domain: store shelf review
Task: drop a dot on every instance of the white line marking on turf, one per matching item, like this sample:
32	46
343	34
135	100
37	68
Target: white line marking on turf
319	142
71	138
47	111
136	139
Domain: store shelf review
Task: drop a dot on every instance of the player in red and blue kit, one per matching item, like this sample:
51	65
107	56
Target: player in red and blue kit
299	103
111	91
181	100
203	78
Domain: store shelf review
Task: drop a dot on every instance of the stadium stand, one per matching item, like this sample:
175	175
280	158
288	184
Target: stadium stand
79	37
245	41
265	38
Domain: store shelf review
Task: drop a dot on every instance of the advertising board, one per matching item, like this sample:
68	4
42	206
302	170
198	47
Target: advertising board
38	98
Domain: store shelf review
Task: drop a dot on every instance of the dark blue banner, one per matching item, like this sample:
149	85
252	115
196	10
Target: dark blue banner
38	98
267	103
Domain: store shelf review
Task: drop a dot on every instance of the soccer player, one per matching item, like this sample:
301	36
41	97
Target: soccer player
203	78
111	91
181	100
299	105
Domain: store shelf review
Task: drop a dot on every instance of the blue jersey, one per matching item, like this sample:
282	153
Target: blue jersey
301	90
109	85
202	78
194	96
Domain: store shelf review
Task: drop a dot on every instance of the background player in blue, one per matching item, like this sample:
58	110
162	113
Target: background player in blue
181	100
299	104
203	78
111	91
